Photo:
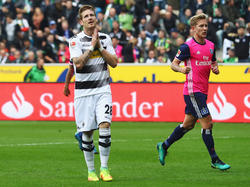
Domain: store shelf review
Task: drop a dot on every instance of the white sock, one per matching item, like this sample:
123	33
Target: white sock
104	145
88	147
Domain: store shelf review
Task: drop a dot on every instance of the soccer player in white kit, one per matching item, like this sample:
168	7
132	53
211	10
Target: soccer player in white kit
91	52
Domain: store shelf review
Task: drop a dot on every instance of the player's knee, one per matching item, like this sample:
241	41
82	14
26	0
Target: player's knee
105	137
87	142
104	125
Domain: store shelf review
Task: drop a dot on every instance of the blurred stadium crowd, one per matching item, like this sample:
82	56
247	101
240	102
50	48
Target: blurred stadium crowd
142	31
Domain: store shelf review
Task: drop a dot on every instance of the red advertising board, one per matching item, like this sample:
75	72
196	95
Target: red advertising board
131	102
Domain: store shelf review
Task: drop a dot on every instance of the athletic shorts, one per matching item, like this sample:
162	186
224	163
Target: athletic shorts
196	105
92	110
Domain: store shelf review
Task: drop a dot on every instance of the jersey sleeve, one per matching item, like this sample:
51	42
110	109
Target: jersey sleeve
214	56
110	48
74	48
183	52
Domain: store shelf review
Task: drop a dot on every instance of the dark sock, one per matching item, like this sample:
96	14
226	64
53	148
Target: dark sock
209	142
178	132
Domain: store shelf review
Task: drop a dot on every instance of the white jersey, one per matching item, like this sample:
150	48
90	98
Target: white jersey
94	77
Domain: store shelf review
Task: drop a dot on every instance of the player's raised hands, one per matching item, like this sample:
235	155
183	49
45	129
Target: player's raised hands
95	39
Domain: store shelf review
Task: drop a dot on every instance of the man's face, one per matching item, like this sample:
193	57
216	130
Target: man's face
201	28
88	19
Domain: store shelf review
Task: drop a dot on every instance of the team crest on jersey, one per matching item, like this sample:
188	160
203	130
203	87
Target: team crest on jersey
198	52
211	51
178	53
73	43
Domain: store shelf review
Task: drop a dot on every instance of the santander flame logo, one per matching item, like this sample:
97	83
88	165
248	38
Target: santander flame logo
222	109
18	108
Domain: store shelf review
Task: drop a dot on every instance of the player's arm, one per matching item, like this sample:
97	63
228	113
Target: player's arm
215	68
69	75
175	66
109	53
214	65
109	58
182	54
83	59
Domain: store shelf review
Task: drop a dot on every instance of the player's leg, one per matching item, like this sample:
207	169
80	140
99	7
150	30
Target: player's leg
104	148
178	133
207	137
104	116
86	123
78	137
88	151
188	123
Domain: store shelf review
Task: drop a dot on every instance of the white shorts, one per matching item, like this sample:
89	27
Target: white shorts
92	110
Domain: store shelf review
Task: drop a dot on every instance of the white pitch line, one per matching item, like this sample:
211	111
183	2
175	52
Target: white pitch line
116	140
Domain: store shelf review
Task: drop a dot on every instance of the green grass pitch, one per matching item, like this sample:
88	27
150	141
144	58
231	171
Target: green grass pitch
34	154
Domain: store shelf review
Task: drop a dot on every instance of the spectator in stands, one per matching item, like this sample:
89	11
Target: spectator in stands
160	3
142	25
151	57
218	22
161	59
10	29
17	57
3	56
187	15
26	48
230	11
116	31
241	43
51	41
118	49
64	32
39	54
103	25
112	17
31	58
23	24
169	21
39	21
69	12
153	24
161	43
11	57
210	9
8	8
38	38
36	73
63	54
144	43
125	19
200	4
128	52
232	58
49	55
141	8
53	27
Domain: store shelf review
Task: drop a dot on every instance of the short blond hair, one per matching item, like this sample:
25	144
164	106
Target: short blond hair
196	18
83	8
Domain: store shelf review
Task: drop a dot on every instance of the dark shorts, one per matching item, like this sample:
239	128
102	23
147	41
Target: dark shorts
196	105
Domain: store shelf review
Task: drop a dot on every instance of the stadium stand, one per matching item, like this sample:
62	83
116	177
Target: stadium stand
29	27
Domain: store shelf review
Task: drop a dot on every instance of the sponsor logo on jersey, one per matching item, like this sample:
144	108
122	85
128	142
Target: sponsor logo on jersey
202	63
18	107
220	108
178	53
211	51
73	43
96	54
